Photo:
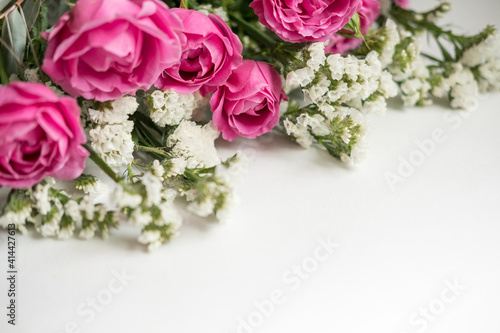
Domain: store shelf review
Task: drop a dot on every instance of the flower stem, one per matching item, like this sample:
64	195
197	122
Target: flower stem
3	73
101	164
255	33
152	150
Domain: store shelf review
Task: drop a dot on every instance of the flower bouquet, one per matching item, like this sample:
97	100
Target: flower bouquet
143	88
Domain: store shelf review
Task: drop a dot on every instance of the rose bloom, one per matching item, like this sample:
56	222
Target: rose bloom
368	14
105	49
40	135
402	3
211	53
248	103
299	21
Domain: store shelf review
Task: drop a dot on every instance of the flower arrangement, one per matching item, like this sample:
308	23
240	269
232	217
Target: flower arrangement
143	88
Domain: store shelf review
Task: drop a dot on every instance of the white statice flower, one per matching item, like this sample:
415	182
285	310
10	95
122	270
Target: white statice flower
153	185
169	216
316	92
317	56
299	133
317	123
358	153
300	77
464	89
203	208
353	80
168	107
42	199
480	53
90	185
336	65
231	201
376	106
72	210
176	166
407	61
18	217
157	169
152	238
387	86
195	143
415	86
391	38
489	72
87	207
66	232
440	86
48	225
359	150
140	218
113	143
119	112
88	232
121	198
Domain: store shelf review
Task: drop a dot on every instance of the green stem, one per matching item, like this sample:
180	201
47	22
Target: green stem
255	33
152	150
148	135
148	122
101	164
3	73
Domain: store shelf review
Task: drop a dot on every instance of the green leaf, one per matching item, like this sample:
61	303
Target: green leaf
31	8
14	36
6	4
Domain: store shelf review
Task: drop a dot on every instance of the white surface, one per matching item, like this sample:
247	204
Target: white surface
396	248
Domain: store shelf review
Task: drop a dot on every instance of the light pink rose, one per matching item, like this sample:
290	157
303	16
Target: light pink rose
40	135
368	14
304	21
248	103
209	56
402	3
105	49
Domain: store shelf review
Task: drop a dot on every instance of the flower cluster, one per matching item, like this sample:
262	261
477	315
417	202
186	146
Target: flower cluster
145	88
337	90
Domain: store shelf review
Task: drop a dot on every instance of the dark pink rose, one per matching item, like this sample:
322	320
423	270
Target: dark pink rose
40	135
368	14
211	53
402	3
304	21
105	49
248	103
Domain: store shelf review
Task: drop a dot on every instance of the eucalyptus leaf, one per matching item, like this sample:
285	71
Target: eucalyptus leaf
14	35
31	8
4	4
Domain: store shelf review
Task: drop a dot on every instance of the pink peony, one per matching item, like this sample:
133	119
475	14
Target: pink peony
211	53
40	135
368	14
304	21
248	103
105	49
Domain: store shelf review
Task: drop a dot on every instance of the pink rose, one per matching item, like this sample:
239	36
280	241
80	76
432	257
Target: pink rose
402	3
368	14
105	49
40	135
211	53
304	21
248	103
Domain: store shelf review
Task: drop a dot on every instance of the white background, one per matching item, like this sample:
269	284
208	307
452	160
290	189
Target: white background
396	248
